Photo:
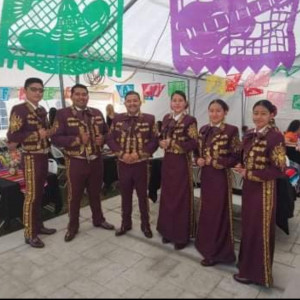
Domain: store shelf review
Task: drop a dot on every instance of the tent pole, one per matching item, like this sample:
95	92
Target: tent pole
62	89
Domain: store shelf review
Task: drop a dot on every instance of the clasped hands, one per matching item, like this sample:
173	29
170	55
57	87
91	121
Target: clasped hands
130	158
201	162
164	144
239	169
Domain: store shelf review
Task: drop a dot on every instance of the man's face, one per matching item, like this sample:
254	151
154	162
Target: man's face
80	97
133	104
34	93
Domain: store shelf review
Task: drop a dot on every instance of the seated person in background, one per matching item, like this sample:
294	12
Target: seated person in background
292	133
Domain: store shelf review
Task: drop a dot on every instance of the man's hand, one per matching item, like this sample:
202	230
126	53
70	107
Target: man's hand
134	157
208	160
126	158
164	144
201	162
43	133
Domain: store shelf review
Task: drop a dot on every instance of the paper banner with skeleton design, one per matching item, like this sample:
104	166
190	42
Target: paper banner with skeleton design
227	33
62	36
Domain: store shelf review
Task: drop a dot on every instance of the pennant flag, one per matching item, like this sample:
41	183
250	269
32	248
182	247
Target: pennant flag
277	98
232	82
123	89
176	86
151	90
22	95
4	93
215	84
288	72
253	91
49	93
296	102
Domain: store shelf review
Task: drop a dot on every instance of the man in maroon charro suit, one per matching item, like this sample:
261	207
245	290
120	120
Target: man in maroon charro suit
81	132
29	127
134	139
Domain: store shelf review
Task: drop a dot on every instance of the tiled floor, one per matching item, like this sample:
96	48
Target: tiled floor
99	265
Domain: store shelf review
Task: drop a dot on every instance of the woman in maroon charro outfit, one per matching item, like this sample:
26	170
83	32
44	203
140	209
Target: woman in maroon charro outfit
179	136
263	161
219	147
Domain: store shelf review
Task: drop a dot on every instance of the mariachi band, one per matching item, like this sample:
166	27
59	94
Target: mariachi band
81	132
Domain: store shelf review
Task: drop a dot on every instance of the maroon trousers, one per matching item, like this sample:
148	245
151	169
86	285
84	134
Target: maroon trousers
134	176
82	174
36	171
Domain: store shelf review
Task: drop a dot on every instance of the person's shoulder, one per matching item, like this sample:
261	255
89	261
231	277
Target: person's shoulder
231	128
119	117
20	106
275	136
204	128
148	116
64	111
190	119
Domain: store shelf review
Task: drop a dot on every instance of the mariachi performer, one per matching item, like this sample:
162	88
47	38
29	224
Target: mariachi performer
219	148
29	126
263	161
81	131
176	221
133	139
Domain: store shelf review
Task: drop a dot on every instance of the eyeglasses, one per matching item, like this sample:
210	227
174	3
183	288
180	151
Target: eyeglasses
35	89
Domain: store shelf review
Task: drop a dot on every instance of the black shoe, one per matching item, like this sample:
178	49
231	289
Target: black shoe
70	235
208	262
48	231
122	230
242	280
105	225
179	246
35	242
147	233
165	241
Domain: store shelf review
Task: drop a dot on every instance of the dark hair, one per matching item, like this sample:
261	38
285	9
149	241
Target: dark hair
221	102
132	93
294	126
78	85
32	80
244	128
268	105
52	113
181	93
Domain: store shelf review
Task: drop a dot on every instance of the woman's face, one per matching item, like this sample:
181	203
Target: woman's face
261	116
178	104
216	113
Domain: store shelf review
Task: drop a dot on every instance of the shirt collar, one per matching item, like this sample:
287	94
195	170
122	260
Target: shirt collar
176	118
218	125
260	130
31	104
80	109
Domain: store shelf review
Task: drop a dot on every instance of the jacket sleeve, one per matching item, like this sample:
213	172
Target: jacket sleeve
233	156
17	132
152	145
60	137
191	142
277	160
111	140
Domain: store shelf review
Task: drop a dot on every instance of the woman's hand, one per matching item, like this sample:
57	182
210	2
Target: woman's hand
201	162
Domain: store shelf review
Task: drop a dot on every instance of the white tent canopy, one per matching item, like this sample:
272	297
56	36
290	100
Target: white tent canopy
147	49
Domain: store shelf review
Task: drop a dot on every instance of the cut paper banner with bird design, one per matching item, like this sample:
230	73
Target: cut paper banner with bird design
62	36
225	33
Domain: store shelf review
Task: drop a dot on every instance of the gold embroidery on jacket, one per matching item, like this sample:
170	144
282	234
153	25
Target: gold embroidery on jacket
278	156
15	123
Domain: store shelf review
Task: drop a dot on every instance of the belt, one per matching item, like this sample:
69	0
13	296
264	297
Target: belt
42	151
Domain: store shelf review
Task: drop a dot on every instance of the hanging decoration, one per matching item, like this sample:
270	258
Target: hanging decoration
277	98
62	36
296	102
226	34
232	82
215	84
176	86
151	90
123	89
4	93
